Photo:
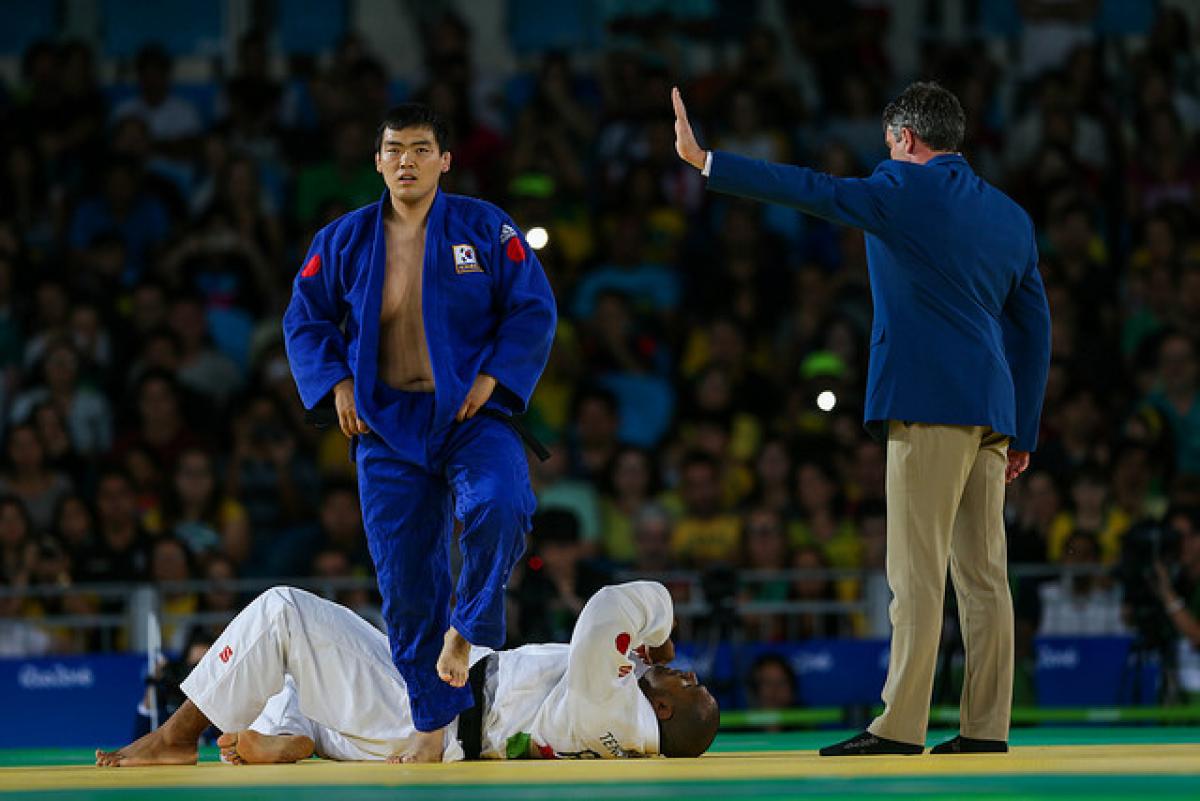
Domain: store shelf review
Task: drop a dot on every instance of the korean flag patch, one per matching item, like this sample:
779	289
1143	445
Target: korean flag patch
465	260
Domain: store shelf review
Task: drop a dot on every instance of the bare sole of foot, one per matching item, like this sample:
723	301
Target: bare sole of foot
426	746
253	748
150	749
452	663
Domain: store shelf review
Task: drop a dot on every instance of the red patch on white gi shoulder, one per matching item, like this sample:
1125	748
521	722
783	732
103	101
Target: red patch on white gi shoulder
623	643
514	250
312	266
225	654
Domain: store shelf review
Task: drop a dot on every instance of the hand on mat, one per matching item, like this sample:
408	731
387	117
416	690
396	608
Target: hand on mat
347	412
481	390
1018	461
685	141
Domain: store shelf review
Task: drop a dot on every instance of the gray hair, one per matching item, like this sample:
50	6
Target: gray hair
930	111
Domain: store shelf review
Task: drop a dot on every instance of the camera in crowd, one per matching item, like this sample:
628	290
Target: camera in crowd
1143	546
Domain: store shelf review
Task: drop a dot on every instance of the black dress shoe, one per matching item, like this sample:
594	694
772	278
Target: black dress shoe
867	744
969	745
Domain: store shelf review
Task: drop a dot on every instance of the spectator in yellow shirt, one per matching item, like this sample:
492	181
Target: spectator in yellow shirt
707	533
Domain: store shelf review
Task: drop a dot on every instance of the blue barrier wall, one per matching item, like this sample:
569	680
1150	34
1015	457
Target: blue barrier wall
70	700
1095	671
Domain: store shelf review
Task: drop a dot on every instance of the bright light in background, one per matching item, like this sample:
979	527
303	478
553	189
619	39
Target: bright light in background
826	401
537	238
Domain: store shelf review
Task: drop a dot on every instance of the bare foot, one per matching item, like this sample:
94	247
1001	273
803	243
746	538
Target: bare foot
253	748
154	748
426	746
452	664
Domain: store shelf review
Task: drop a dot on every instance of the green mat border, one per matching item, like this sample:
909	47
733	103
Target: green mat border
762	742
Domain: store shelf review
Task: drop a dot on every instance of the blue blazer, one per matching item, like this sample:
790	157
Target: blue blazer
961	334
487	305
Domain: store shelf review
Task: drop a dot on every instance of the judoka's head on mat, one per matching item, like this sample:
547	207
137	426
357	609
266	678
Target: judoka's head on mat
410	151
688	715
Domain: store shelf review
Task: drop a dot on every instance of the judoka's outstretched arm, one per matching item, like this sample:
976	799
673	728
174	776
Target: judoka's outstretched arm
528	316
316	347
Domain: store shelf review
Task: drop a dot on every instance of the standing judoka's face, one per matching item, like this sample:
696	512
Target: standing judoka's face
411	162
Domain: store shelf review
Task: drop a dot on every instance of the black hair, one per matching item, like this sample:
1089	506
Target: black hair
198	635
151	56
16	503
690	730
162	332
771	658
84	502
1090	472
189	559
113	470
172	505
30	425
654	484
872	508
409	115
160	373
558	526
930	111
595	392
1081	536
339	487
36	50
700	458
1190	513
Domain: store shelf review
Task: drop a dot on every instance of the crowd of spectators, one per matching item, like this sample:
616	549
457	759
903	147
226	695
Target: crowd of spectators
152	431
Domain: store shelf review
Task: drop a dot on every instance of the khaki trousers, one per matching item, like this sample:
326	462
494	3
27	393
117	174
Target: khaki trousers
945	503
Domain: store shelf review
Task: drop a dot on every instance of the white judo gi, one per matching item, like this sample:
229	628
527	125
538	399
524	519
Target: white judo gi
294	663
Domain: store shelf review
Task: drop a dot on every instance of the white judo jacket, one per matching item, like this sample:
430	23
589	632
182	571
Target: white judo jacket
294	663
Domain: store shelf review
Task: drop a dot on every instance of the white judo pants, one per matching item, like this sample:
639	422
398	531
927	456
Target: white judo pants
294	663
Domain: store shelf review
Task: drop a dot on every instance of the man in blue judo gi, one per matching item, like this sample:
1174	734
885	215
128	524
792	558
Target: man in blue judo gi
415	313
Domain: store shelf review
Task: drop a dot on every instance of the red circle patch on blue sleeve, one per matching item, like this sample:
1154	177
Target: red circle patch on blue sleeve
312	267
514	250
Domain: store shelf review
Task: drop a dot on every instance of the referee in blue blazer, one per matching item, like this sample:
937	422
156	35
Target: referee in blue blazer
960	349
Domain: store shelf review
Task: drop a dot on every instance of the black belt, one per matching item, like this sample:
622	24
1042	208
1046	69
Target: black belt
470	722
324	417
531	442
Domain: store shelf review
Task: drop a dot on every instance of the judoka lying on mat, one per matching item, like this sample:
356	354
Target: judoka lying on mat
294	674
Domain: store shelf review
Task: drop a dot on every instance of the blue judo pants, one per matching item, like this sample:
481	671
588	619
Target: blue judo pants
474	471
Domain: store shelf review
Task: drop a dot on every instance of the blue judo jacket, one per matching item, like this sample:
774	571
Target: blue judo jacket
487	305
961	334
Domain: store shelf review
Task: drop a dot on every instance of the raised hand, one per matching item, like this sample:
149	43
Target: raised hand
685	141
